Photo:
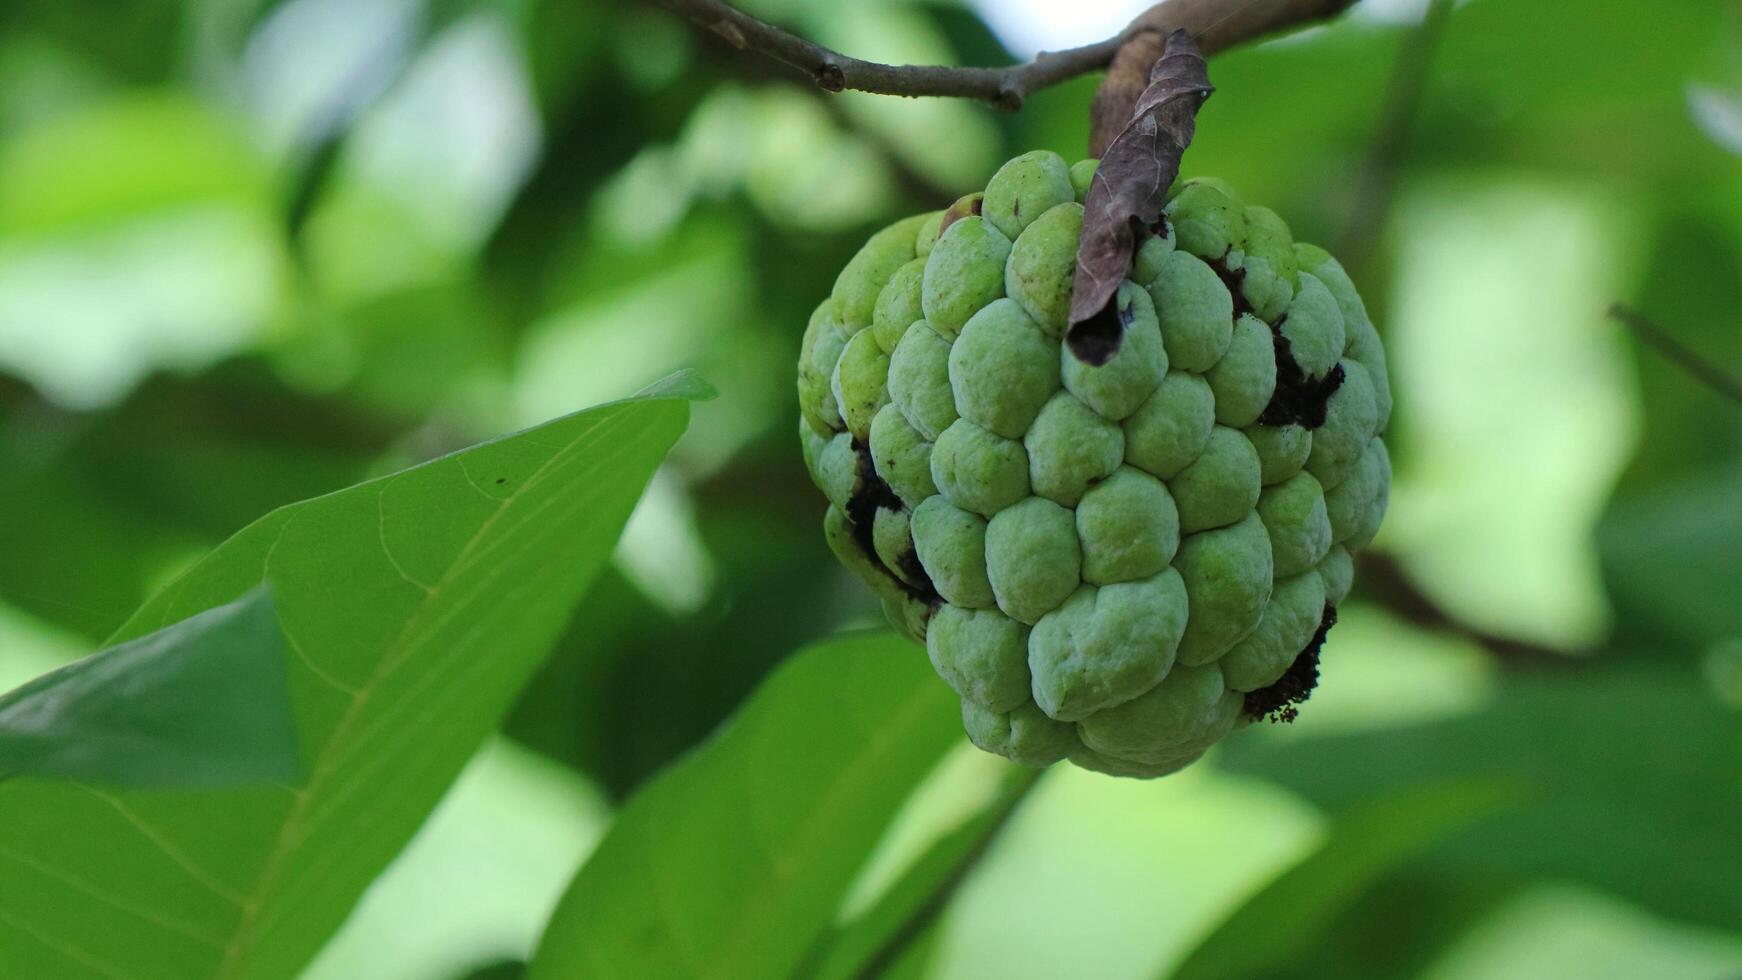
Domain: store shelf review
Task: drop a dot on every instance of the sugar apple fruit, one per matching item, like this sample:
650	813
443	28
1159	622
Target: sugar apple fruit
1115	564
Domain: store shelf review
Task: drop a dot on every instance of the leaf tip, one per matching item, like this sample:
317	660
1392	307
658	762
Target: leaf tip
686	384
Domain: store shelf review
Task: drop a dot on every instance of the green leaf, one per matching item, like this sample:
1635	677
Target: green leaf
414	607
1365	844
1402	925
870	944
198	704
95	524
732	862
686	384
1618	799
1669	557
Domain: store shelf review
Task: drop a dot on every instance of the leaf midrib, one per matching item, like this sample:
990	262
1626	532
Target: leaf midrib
810	836
286	839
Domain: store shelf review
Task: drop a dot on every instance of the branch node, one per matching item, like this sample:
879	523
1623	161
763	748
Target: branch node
829	77
728	30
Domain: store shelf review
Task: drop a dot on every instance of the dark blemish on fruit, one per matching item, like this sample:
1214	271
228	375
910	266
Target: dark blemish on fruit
870	493
1097	339
1298	398
1234	280
1279	702
962	208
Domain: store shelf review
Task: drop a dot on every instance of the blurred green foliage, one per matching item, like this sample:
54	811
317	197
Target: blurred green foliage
256	251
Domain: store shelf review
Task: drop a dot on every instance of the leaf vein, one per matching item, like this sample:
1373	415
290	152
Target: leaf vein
293	830
78	884
174	854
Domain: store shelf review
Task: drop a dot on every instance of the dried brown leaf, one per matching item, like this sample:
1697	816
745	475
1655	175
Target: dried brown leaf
1129	191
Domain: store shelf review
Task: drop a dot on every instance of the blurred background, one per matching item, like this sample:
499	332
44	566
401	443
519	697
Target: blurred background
254	251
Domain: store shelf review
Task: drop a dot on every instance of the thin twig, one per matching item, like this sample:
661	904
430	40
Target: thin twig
1217	24
1686	358
916	184
1377	185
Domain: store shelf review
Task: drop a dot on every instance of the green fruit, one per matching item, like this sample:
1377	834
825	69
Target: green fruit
919	381
1170	429
1337	570
1195	310
1070	448
979	470
1209	220
1313	328
817	357
906	612
1290	619
1244	380
963	273
1355	506
1270	271
1025	736
1118	563
857	287
1026	188
892	539
983	654
1220	486
1043	267
1082	174
1128	526
861	383
901	456
951	544
1003	368
1282	450
1115	389
837	470
898	305
1351	421
1364	345
1228	574
1106	645
1033	558
1167	727
930	227
1300	527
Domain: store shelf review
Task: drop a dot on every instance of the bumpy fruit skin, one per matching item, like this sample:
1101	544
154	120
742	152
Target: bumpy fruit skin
1115	564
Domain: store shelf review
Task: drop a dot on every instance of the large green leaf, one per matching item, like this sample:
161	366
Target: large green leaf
1634	780
414	607
1371	840
733	862
201	703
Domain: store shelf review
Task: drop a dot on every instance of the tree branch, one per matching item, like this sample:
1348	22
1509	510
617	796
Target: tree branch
1383	580
1377	185
1216	24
